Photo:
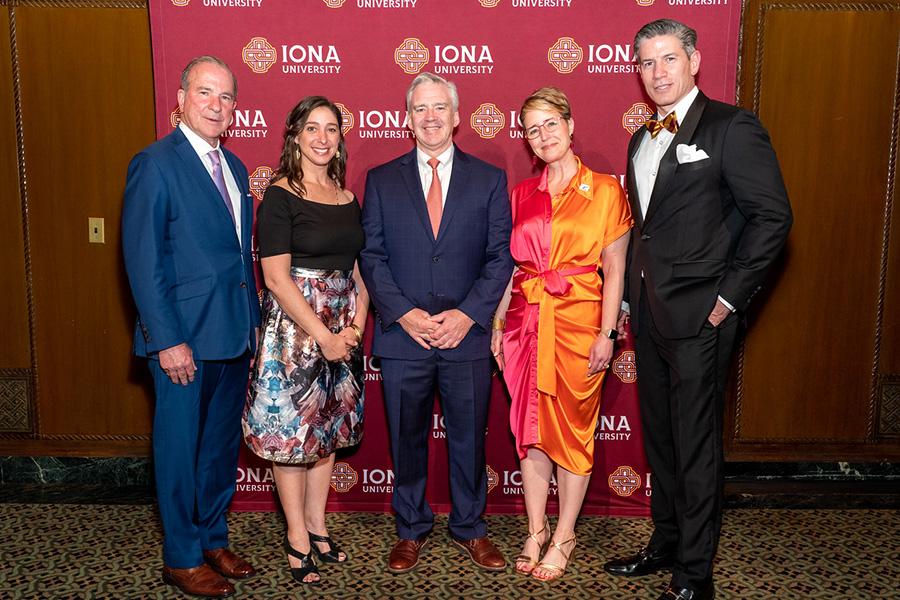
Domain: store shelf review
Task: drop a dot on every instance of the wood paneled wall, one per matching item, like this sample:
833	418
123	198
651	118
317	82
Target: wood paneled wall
818	377
77	102
819	371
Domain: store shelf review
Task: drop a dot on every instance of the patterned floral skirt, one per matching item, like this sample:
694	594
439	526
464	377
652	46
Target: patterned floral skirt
301	407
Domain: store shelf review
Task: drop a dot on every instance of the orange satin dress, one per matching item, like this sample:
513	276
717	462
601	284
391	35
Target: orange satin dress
554	312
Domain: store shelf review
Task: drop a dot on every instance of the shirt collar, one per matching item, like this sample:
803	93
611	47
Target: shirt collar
683	105
200	146
444	157
582	182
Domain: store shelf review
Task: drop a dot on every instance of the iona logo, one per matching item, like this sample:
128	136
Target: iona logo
346	118
624	481
565	54
259	55
259	181
625	367
411	55
343	477
487	120
635	117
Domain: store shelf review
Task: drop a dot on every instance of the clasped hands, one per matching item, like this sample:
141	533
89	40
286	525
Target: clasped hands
337	346
443	331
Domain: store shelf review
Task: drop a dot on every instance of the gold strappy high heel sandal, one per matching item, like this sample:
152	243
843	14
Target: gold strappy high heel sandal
524	559
556	571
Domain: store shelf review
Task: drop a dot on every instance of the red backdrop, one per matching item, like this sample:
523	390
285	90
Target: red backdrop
363	54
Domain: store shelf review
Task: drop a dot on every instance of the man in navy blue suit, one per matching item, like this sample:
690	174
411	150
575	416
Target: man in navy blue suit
186	229
436	262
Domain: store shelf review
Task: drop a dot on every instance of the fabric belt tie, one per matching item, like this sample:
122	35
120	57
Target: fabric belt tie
541	289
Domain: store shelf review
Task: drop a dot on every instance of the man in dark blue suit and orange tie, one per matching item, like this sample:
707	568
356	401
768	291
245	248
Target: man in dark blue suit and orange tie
186	229
436	262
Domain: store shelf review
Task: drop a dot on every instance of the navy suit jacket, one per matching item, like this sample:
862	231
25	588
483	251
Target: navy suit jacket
713	227
192	281
467	267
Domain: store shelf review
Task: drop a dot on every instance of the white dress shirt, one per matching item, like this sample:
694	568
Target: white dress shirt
444	169
651	150
202	148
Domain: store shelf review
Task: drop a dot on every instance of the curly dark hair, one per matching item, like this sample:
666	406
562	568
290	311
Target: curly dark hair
289	164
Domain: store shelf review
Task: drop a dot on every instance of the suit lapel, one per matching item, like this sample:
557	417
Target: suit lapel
246	199
669	163
630	181
458	178
409	171
198	173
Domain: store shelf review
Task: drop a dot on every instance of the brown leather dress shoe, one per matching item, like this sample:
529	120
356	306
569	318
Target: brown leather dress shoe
405	555
228	563
198	581
483	553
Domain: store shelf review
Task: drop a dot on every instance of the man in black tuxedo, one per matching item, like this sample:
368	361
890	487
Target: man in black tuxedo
711	214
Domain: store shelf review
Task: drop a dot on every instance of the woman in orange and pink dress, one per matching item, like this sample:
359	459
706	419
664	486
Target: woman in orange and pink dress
556	325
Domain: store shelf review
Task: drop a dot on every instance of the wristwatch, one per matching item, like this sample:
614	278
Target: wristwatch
610	333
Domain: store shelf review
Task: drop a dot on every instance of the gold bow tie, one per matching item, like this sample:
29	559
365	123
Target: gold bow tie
670	122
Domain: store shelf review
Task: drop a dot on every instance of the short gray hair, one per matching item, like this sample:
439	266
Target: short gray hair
427	77
685	35
206	59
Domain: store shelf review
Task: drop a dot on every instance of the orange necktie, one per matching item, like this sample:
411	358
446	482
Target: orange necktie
670	123
433	200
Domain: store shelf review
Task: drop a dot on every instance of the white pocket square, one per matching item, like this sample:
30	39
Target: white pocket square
688	154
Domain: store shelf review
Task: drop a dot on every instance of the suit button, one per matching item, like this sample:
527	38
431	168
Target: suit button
435	259
645	237
243	284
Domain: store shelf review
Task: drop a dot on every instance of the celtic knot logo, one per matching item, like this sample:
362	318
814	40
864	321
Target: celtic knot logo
175	118
259	181
346	118
492	478
487	120
181	2
489	3
259	55
624	481
565	55
343	477
634	117
411	56
625	367
334	3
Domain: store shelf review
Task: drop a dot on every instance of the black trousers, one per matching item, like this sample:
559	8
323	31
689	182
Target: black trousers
681	385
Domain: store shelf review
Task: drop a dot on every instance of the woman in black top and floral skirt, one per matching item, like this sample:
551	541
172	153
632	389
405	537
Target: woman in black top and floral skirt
306	389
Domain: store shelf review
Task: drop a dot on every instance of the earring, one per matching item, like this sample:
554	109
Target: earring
297	153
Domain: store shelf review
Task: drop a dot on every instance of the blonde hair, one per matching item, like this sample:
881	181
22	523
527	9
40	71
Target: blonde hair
547	98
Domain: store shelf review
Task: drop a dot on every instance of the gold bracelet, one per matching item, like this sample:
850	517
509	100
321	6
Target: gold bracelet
498	324
357	331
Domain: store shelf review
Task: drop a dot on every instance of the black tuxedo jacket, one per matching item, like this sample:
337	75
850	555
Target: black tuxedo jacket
713	226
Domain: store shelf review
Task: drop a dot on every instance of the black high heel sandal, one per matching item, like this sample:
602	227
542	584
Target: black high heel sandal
307	564
332	555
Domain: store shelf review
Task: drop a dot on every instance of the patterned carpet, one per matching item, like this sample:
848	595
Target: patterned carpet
103	551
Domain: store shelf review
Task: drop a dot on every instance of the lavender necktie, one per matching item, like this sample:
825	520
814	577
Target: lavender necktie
219	179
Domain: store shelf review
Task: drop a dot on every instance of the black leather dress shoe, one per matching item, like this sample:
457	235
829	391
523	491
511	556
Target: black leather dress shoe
644	562
679	593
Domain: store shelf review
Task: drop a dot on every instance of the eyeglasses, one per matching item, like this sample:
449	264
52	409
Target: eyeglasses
550	125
